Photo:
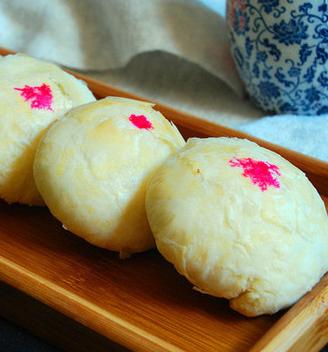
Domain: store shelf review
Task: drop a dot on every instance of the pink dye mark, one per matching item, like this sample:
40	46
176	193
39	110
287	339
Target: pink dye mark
262	173
141	122
40	97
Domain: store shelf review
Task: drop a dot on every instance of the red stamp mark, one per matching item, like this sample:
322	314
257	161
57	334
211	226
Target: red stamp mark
40	97
141	122
262	173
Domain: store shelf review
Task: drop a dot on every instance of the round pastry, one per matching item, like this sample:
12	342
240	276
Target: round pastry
240	222
93	166
33	94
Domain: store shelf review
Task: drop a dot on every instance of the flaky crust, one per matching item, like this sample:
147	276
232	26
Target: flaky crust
262	249
93	167
22	126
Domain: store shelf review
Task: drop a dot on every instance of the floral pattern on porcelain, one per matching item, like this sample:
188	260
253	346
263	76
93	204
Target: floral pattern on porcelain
281	51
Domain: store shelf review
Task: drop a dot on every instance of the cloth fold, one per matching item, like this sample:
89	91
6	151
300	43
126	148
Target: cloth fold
105	34
172	51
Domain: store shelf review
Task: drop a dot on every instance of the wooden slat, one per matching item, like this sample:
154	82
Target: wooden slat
303	328
50	325
140	303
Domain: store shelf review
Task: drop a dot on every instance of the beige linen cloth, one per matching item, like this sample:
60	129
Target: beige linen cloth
171	51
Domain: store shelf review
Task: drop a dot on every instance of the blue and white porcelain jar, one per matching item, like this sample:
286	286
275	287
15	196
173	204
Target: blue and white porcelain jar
281	51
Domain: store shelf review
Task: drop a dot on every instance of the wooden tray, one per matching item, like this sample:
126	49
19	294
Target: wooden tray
142	303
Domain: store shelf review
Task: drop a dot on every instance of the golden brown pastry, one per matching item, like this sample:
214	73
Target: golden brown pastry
93	167
240	222
33	94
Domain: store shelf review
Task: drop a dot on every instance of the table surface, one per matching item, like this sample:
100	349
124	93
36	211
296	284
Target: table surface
16	339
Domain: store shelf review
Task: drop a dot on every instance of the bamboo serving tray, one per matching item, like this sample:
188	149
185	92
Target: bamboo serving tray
142	303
